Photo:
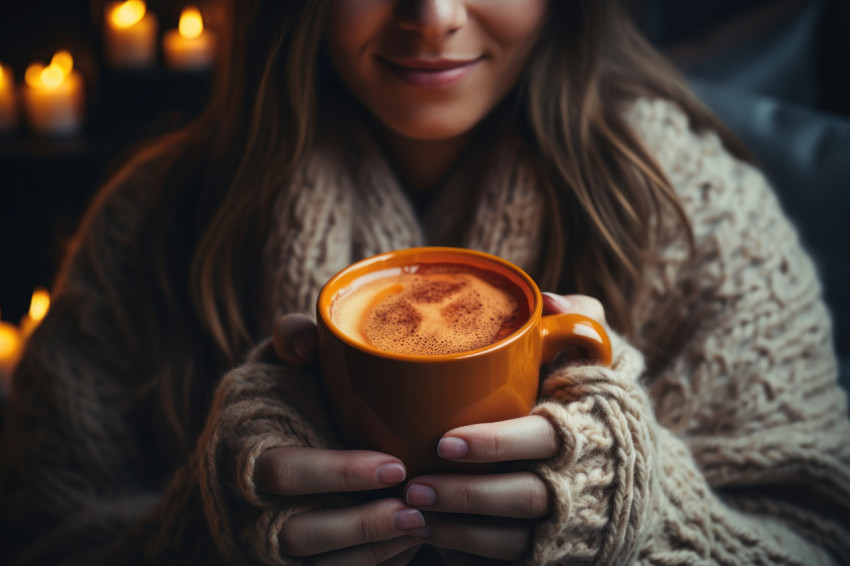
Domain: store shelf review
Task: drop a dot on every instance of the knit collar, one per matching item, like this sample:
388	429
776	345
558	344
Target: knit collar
345	203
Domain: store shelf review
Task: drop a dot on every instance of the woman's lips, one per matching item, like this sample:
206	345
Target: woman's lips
430	73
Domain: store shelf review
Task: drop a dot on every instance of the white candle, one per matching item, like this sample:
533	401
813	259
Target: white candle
130	34
54	96
190	46
8	102
11	346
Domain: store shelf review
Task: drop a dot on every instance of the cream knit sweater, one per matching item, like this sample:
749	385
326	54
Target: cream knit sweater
735	452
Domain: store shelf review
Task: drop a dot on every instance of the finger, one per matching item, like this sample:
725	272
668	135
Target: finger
579	304
397	551
317	532
404	558
520	495
455	557
295	338
487	537
525	438
295	470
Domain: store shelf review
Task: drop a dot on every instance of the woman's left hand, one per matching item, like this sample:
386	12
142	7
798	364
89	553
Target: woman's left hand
493	515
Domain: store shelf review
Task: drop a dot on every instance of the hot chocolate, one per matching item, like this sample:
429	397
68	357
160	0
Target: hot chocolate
430	309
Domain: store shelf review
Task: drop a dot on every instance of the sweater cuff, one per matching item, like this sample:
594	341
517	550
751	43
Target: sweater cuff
601	479
255	410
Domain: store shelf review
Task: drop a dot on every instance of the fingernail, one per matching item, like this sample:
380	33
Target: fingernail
303	345
408	519
420	495
451	447
561	300
390	474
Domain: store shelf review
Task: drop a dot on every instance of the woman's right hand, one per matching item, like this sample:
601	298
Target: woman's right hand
370	533
385	530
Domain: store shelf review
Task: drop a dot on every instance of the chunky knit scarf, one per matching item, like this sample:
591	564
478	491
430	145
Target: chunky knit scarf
345	203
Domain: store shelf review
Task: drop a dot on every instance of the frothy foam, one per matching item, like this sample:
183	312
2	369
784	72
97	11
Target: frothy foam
433	310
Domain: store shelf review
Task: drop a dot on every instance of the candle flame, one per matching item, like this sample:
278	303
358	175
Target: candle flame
50	77
191	23
33	75
2	76
63	60
129	13
39	304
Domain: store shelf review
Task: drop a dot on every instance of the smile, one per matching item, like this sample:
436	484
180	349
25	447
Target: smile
431	74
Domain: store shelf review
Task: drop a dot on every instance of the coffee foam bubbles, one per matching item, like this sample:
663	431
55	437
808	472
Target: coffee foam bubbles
427	313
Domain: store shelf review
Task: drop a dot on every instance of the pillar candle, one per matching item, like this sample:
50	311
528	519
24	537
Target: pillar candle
54	96
130	33
11	346
190	46
8	100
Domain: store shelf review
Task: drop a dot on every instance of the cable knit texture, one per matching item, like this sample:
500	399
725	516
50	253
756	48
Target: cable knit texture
735	451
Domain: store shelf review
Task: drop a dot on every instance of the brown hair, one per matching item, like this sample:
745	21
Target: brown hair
610	192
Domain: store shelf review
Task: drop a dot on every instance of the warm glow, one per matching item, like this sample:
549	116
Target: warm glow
63	60
10	341
129	13
2	77
33	75
191	23
39	304
50	77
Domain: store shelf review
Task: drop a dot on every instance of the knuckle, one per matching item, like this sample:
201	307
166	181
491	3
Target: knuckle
536	499
282	477
465	497
494	449
349	473
367	528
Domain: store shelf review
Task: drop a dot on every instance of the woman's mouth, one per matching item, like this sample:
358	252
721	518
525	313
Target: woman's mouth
430	74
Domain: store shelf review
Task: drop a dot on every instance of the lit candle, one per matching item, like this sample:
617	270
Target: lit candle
190	46
8	104
39	305
54	96
130	34
11	346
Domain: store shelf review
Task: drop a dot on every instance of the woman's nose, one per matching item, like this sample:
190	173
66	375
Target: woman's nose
434	20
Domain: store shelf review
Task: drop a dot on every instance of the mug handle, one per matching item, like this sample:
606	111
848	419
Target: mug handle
559	331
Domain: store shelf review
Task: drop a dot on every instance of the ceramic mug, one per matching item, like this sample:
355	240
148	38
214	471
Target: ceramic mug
401	404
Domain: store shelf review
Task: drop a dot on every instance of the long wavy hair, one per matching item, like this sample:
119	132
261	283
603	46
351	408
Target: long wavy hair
223	171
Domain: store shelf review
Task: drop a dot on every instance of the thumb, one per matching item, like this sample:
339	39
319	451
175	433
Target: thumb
295	339
578	304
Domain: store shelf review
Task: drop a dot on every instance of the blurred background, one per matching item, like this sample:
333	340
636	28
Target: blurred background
774	70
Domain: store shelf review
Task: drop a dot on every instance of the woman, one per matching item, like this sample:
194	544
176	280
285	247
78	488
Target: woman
546	132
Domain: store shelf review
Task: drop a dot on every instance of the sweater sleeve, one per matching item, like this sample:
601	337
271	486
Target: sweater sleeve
84	478
738	451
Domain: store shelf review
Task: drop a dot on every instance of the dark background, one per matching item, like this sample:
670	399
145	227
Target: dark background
774	70
45	184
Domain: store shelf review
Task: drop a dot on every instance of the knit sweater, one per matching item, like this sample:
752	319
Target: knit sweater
736	451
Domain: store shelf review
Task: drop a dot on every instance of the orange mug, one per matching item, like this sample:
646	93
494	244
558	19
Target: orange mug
402	404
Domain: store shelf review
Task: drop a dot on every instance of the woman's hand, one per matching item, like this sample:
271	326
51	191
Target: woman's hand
490	515
370	533
493	515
